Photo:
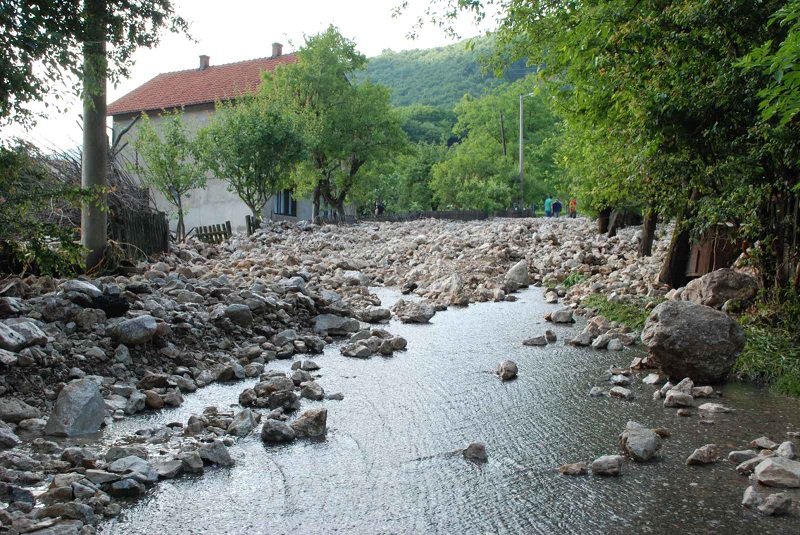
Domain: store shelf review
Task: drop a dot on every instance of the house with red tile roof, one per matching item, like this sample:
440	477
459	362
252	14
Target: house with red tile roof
196	91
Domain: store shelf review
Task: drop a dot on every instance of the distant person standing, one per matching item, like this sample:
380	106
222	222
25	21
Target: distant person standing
557	207
573	208
380	208
548	207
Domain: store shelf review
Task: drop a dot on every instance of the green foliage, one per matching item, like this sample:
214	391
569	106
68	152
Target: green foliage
781	62
170	161
772	352
427	124
632	315
348	125
440	77
41	39
253	146
572	279
478	173
27	187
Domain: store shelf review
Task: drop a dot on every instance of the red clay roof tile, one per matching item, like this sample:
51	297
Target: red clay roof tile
184	88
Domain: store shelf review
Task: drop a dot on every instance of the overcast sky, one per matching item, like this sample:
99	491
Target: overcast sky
236	30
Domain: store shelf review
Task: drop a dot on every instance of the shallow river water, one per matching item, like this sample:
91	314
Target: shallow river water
390	461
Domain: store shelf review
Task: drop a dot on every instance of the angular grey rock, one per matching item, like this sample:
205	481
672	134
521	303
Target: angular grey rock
276	431
136	402
334	325
786	449
715	288
135	468
562	315
536	341
136	331
689	340
621	393
517	276
614	345
26	328
312	423
607	465
652	379
191	462
8	439
215	453
676	398
10	339
413	311
168	469
312	390
374	314
639	443
575	469
776	505
243	423
128	487
475	452
738	457
704	455
751	499
15	410
596	392
764	443
507	370
239	314
778	472
620	380
79	410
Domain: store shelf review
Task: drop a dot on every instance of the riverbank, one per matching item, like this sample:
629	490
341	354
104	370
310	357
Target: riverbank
211	314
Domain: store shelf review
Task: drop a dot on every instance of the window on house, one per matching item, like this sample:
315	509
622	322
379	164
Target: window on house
285	203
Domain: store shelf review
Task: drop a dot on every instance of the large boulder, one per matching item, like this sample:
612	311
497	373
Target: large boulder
413	311
136	331
10	339
79	410
690	340
716	288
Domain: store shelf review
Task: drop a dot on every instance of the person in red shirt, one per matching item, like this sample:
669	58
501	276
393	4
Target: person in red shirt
573	208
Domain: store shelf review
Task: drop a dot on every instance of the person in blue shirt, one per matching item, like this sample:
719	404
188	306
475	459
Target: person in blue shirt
548	207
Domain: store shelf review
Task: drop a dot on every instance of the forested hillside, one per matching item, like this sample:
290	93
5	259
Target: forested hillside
439	76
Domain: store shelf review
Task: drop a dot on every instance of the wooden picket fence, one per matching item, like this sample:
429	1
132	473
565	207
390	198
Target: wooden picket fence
214	233
140	233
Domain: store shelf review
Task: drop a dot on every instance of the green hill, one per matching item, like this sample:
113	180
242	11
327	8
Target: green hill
438	76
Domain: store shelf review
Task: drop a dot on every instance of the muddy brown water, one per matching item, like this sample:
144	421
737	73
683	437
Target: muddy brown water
389	463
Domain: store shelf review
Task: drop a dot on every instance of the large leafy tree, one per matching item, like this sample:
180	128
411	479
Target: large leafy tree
94	40
170	164
348	124
253	146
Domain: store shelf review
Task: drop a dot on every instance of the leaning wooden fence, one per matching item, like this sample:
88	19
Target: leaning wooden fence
139	233
214	233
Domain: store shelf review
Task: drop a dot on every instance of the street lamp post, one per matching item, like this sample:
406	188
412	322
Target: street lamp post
522	152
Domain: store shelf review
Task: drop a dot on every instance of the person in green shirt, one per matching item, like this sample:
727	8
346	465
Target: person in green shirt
548	207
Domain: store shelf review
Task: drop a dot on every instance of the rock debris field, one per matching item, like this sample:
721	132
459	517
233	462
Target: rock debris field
78	355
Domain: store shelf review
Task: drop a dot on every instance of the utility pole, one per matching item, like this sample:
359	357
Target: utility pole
522	151
95	142
521	154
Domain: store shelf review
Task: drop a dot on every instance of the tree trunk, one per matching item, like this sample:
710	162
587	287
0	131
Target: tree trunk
673	271
315	205
614	221
180	230
95	142
648	233
602	220
340	214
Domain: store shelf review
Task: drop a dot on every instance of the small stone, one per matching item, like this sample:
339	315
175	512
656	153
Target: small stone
652	379
677	398
621	393
764	443
684	412
751	499
596	391
738	457
476	452
536	341
507	370
607	465
216	453
575	469
778	472
620	380
312	423
276	431
776	505
787	450
705	455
